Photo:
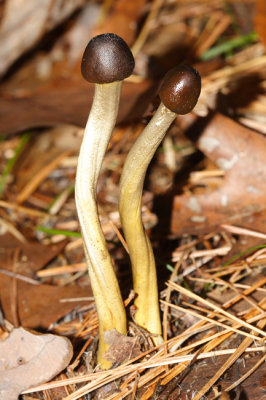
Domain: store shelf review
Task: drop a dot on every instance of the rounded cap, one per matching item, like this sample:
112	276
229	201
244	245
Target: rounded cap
181	89
107	58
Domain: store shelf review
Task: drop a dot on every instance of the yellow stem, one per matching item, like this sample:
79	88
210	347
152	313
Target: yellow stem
140	249
108	300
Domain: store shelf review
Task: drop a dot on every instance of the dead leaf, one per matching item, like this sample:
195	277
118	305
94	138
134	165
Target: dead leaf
122	348
32	255
241	153
122	19
19	31
68	101
29	359
260	19
38	306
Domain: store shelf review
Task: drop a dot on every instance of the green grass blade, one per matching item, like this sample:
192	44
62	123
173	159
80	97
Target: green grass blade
51	231
243	253
229	45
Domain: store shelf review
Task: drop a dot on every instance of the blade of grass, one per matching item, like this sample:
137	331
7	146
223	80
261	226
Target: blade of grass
243	253
51	231
229	45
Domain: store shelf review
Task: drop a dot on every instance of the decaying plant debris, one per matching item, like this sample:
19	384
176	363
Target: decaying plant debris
203	204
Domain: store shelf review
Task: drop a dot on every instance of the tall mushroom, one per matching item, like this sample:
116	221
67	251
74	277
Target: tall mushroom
179	94
107	60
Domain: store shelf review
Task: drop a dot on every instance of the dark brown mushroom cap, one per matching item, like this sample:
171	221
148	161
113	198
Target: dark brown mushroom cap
181	89
107	58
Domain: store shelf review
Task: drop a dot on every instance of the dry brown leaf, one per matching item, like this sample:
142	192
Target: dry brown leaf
38	306
240	153
24	24
260	19
29	359
122	348
122	19
32	256
68	101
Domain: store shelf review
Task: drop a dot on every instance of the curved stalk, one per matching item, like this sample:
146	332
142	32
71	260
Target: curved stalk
109	303
140	249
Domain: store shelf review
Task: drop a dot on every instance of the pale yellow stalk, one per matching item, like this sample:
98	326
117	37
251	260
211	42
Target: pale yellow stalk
140	249
108	300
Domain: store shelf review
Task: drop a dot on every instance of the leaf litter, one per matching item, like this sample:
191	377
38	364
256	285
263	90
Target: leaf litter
203	199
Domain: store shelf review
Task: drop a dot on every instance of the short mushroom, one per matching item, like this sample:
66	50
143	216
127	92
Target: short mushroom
107	60
179	94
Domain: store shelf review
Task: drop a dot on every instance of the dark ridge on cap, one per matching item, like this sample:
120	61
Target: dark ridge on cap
181	89
107	58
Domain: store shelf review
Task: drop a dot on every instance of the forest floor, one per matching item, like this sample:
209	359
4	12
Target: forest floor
203	201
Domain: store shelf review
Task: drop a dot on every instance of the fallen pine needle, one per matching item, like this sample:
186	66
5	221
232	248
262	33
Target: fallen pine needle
110	375
214	307
11	229
237	230
66	269
238	352
246	375
22	209
186	310
210	280
33	184
19	277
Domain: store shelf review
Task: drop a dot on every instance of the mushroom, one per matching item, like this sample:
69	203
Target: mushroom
179	94
107	60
